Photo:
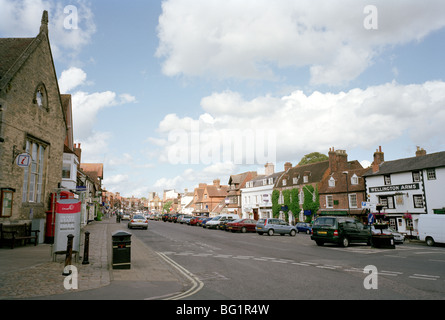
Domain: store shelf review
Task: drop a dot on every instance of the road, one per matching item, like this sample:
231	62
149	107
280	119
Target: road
248	266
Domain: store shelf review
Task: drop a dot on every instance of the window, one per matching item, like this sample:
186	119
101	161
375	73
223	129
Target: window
387	201
270	180
284	182
418	201
33	175
305	179
295	180
301	196
332	182
387	179
352	200
416	176
66	171
264	182
329	202
354	179
431	174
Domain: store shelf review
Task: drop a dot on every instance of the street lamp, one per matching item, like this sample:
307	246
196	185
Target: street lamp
347	191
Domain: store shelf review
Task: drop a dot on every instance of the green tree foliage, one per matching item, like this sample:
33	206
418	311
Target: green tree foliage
313	158
294	206
286	197
311	200
275	205
167	205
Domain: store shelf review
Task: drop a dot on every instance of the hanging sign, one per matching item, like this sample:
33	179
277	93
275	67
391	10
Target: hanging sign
67	222
23	160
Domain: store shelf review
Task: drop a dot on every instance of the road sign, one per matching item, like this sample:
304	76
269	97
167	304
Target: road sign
23	160
371	219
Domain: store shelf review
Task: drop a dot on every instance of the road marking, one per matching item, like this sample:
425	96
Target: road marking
196	283
424	277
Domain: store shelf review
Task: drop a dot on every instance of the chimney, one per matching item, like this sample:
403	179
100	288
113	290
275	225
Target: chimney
287	166
332	160
270	169
217	183
379	158
78	151
420	152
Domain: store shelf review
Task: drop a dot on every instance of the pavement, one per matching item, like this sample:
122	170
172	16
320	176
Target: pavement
29	272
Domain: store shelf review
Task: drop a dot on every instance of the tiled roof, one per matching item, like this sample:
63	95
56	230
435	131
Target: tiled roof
433	160
10	50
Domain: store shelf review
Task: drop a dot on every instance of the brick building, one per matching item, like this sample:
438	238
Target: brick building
32	121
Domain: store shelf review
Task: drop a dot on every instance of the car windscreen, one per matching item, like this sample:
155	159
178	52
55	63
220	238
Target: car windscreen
138	217
325	222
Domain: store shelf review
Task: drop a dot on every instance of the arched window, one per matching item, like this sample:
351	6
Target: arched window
40	97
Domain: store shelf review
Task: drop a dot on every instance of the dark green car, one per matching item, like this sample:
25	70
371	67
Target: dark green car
340	230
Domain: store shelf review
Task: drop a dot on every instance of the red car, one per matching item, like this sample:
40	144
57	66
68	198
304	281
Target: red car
196	221
243	225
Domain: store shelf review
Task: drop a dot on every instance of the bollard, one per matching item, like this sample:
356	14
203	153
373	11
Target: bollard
69	253
86	248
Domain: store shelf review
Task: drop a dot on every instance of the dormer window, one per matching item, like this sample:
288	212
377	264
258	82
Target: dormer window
332	182
354	179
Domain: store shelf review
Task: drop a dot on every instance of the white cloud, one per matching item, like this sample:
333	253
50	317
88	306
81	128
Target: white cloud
22	19
249	39
306	123
71	78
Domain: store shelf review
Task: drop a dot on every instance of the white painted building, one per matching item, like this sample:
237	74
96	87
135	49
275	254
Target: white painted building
256	197
404	189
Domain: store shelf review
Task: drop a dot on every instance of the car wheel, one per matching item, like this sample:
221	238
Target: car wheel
243	230
270	232
345	242
430	241
292	233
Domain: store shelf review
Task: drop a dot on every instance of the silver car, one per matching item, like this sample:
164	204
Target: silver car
272	226
138	221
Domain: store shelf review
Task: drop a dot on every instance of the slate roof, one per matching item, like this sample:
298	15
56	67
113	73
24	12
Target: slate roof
314	172
10	51
433	160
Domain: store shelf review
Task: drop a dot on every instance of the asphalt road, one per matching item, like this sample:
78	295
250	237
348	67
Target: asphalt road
238	266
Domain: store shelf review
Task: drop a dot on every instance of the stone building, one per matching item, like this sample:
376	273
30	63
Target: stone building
32	126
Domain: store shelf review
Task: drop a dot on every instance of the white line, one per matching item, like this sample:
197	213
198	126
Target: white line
422	278
426	275
196	283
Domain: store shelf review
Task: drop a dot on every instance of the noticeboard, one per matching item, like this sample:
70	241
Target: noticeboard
67	222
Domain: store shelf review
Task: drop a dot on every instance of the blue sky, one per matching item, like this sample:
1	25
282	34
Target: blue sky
144	74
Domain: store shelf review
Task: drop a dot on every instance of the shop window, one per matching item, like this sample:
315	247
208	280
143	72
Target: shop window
6	199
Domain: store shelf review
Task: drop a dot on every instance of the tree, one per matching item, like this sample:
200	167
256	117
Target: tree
167	206
286	197
313	158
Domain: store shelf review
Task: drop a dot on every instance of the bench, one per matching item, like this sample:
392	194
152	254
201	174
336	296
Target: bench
17	232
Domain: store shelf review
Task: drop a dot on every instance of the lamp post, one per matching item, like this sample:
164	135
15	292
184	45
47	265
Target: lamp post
346	173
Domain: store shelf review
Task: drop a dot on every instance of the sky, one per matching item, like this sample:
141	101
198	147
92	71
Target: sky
168	94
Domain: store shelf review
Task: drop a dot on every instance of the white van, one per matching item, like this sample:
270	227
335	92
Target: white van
214	223
432	228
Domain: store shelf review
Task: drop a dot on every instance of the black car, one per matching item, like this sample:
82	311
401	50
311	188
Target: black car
340	230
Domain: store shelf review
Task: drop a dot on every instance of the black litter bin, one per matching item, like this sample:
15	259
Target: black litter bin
121	250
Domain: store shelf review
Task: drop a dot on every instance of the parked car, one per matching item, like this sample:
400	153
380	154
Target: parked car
398	237
242	225
224	221
271	226
204	221
185	219
340	230
125	216
165	217
304	227
200	220
195	220
138	221
214	223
